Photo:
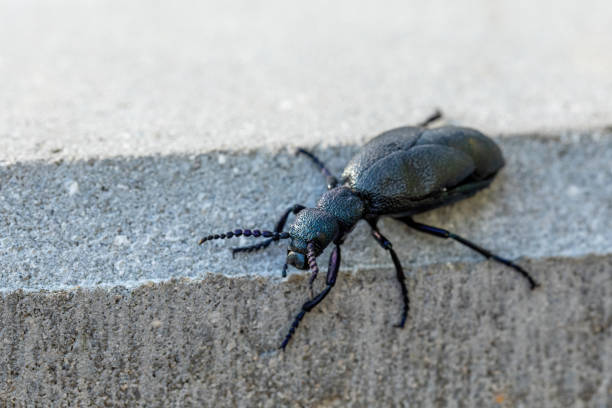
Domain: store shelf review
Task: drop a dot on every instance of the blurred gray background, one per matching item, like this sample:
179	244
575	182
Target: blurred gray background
99	78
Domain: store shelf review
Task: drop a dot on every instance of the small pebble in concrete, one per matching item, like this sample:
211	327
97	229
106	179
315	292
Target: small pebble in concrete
72	187
121	240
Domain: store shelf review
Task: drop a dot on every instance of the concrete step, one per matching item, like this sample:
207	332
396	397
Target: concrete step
107	298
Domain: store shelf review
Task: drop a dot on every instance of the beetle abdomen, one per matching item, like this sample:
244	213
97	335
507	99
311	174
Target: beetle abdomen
408	170
381	146
484	152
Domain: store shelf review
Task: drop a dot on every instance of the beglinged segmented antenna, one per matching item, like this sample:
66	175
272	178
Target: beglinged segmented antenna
275	236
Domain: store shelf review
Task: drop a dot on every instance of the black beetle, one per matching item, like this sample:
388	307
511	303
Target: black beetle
399	173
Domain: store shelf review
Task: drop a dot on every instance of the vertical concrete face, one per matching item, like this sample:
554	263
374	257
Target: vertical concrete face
476	337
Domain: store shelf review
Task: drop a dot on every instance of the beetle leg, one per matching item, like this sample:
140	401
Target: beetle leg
434	116
399	271
332	274
332	181
439	232
280	224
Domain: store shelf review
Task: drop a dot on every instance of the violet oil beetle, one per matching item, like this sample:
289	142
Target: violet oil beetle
400	173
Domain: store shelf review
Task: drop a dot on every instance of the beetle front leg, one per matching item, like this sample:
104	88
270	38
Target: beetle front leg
280	224
399	271
332	274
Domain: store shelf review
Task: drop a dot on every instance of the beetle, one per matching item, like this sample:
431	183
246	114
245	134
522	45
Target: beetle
400	173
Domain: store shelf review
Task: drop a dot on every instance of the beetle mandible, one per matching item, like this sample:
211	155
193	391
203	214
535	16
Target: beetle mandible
399	173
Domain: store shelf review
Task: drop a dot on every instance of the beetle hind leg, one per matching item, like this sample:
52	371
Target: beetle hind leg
399	271
434	116
442	233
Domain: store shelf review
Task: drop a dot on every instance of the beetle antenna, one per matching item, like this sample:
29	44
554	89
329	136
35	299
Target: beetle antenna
275	236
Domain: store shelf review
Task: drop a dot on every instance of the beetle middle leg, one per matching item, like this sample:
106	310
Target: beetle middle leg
442	233
399	271
280	224
332	274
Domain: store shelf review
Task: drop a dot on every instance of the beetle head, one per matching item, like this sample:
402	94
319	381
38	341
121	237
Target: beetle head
310	225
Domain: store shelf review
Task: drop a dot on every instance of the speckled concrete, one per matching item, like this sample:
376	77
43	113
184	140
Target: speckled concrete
125	221
476	337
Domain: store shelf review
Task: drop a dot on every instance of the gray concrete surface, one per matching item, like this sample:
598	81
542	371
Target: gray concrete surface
125	221
127	131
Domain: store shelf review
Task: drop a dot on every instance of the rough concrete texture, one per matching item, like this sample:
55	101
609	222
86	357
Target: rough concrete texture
127	131
477	337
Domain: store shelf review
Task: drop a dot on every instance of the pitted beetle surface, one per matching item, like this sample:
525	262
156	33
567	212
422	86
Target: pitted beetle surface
399	173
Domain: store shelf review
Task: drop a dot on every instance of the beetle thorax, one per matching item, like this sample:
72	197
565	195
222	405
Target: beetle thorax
336	213
342	203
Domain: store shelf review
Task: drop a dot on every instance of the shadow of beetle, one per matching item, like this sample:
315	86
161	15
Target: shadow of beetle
399	173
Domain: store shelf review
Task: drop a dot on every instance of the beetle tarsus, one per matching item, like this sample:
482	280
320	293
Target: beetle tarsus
532	283
306	307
